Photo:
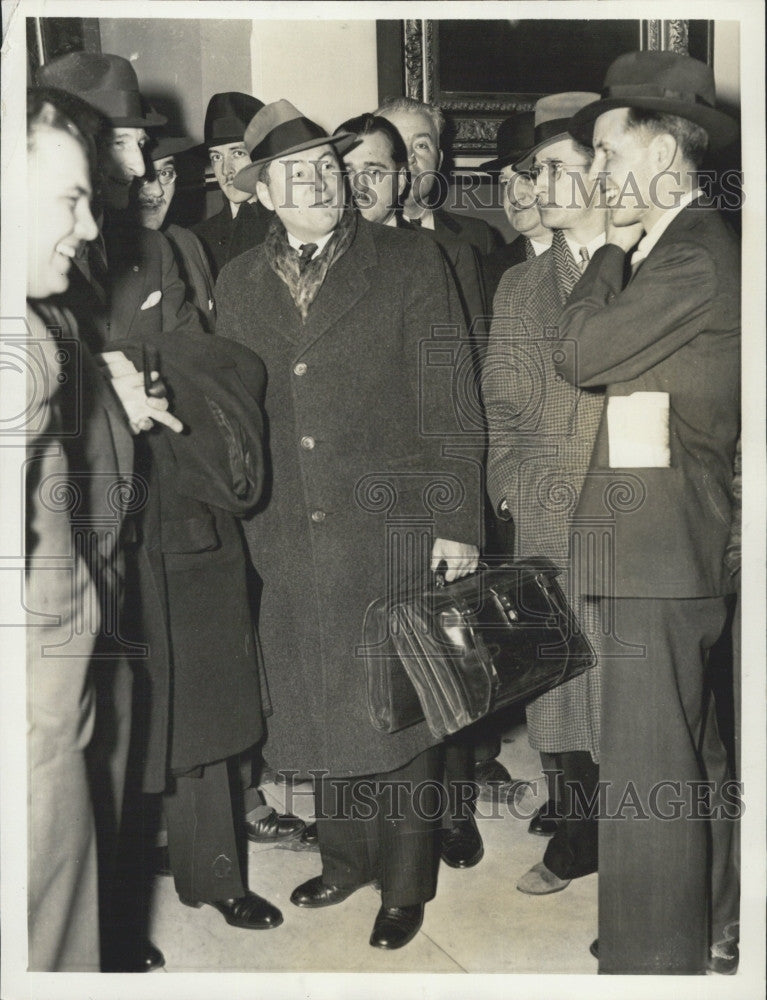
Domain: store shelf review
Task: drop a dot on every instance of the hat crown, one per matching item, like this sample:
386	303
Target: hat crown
107	82
271	117
515	134
668	71
554	107
227	116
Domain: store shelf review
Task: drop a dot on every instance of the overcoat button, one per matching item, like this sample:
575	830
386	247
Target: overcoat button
300	368
307	443
318	515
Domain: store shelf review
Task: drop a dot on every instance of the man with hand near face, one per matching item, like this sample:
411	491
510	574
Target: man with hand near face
664	343
337	308
241	222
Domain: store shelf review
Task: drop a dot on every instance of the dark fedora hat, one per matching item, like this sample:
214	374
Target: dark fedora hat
515	136
278	130
107	82
667	82
170	145
552	120
227	117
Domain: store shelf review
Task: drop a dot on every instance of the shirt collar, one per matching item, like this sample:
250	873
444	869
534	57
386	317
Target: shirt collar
426	220
650	238
320	241
539	248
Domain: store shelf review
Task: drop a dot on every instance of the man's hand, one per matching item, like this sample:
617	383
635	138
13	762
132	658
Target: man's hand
141	410
626	237
461	559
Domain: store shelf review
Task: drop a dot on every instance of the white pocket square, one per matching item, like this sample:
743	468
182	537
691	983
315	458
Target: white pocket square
152	299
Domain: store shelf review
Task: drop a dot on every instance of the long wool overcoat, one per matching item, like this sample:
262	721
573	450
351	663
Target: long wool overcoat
360	407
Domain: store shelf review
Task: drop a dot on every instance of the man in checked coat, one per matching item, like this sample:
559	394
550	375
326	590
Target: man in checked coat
541	433
341	311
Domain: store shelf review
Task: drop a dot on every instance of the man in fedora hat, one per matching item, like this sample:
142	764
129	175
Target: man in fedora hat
664	342
516	136
530	459
337	308
241	222
153	200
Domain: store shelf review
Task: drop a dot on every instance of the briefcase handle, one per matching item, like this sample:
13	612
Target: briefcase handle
537	564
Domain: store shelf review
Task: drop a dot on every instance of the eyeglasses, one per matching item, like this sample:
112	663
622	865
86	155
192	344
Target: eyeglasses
166	175
555	169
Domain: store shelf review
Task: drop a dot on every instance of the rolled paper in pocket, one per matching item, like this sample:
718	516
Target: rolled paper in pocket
637	430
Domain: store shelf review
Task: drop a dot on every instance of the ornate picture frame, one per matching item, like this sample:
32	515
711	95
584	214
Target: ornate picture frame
474	116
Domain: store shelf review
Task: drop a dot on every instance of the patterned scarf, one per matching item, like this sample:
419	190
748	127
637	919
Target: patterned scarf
567	271
304	285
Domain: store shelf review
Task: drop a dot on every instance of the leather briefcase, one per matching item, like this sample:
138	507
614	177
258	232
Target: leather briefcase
454	653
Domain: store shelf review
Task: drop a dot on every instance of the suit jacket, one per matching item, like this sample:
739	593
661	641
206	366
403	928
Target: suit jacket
467	229
494	265
224	238
359	408
194	270
464	268
143	291
674	328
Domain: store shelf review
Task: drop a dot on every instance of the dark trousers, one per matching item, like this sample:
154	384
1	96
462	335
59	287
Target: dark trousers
374	827
573	850
664	883
202	840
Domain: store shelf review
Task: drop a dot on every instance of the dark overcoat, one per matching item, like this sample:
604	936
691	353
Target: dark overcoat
194	269
359	408
541	434
224	238
467	229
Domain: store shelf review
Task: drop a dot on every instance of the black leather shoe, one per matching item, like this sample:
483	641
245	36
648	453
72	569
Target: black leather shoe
462	846
594	948
310	837
396	925
274	827
151	958
143	957
251	912
315	894
546	822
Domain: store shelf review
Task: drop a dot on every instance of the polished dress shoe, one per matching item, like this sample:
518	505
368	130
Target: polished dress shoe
251	912
274	827
315	894
396	925
461	847
541	881
594	948
142	957
310	837
546	821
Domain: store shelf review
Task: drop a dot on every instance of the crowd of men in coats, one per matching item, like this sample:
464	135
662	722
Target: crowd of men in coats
242	378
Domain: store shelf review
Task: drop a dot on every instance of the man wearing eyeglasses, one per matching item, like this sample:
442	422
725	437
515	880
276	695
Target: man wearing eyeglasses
242	221
541	435
153	200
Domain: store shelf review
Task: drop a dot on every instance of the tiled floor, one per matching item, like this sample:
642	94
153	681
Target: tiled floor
478	923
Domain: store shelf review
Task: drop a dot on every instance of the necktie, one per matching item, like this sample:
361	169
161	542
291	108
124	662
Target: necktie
415	222
307	251
583	263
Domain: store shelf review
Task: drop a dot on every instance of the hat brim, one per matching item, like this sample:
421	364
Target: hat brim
495	166
721	129
247	178
526	161
151	119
